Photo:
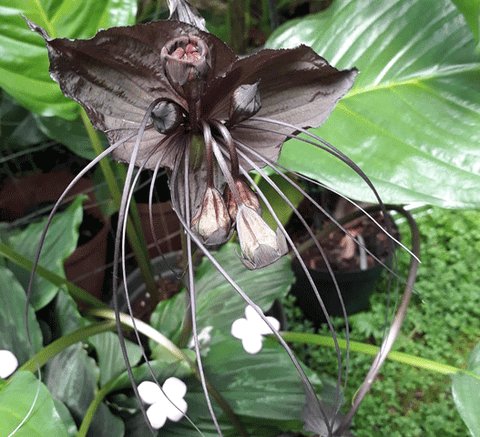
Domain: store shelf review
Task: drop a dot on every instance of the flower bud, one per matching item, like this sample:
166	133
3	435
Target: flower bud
212	221
166	116
186	61
260	245
247	197
245	103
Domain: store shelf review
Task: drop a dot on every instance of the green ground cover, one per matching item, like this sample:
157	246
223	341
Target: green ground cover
442	324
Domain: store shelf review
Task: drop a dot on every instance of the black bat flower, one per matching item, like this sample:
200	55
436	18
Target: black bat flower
169	95
203	106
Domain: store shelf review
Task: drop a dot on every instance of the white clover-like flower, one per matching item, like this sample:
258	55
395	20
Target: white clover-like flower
8	363
252	329
165	403
204	337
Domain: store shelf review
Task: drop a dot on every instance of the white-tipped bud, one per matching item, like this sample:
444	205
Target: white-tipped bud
246	196
260	245
212	221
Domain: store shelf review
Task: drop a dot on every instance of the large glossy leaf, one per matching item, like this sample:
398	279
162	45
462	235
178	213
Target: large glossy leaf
24	61
61	241
263	390
13	335
466	392
218	305
412	120
15	402
471	11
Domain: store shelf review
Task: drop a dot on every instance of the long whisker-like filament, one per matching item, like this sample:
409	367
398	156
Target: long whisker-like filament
37	258
116	256
324	145
191	291
275	167
307	273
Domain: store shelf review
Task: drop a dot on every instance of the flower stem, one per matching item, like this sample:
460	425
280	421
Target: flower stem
400	357
62	343
75	292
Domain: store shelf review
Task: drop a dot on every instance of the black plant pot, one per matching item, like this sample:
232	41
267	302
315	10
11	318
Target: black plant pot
165	267
356	285
356	288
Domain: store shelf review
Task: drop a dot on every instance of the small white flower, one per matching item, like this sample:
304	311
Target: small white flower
251	330
204	337
165	403
8	363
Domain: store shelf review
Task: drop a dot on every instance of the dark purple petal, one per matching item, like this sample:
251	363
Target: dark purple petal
296	86
117	74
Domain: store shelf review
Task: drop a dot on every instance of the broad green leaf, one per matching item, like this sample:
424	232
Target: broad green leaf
412	120
17	126
64	315
61	241
109	353
71	134
265	385
71	377
24	61
263	390
13	335
471	11
218	304
66	417
466	392
15	402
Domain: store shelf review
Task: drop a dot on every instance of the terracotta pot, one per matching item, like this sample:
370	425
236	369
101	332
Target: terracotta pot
166	226
85	267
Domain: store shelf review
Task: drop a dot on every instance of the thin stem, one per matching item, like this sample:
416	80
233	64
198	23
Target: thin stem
135	238
355	346
62	343
75	291
394	328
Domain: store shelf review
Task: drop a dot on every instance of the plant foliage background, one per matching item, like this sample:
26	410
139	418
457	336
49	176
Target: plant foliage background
411	123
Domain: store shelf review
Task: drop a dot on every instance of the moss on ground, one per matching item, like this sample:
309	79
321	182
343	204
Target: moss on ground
443	324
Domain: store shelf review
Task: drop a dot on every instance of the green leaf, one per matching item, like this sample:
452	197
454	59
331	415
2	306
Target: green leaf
66	417
278	204
17	125
411	122
24	61
218	304
13	302
109	353
71	377
72	134
471	11
61	241
265	385
263	390
466	392
15	402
